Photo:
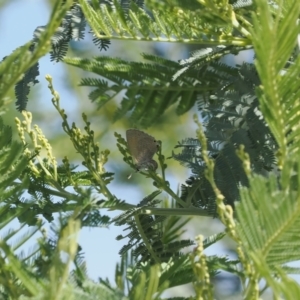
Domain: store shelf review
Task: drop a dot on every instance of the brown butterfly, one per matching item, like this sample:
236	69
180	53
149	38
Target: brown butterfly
142	147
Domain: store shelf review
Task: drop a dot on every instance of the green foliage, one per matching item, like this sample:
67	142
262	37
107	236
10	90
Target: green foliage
244	157
279	99
152	241
145	84
231	118
276	225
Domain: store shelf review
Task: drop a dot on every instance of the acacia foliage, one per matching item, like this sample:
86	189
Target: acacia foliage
244	156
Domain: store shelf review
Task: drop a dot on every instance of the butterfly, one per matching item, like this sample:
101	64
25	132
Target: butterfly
142	147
